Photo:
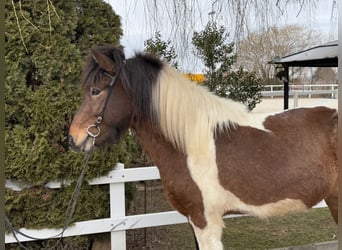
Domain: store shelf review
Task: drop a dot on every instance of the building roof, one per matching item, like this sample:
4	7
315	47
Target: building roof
320	56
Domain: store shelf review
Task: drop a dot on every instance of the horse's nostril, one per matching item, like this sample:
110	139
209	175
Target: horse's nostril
71	141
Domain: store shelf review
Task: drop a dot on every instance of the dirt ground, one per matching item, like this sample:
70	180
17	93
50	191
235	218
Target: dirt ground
270	105
150	198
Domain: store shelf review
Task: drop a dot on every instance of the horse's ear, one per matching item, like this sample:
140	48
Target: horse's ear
105	63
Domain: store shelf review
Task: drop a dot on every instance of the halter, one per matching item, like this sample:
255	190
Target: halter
100	117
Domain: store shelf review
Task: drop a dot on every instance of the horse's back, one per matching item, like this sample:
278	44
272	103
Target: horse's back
294	157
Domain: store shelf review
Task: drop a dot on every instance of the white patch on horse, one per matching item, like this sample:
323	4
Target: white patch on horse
188	117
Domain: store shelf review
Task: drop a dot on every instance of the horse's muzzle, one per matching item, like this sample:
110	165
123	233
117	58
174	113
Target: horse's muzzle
86	146
72	143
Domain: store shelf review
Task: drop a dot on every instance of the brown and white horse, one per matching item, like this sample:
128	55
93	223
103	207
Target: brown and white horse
213	156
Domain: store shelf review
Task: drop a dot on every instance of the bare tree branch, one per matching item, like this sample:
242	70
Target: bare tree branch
19	27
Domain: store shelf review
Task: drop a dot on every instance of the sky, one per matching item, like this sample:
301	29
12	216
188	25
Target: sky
138	24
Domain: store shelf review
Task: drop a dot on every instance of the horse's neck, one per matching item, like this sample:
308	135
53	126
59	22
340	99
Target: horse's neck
158	149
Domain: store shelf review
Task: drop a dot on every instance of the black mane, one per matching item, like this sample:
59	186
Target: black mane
143	71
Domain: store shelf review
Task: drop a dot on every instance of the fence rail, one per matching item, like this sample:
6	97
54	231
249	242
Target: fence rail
118	222
301	90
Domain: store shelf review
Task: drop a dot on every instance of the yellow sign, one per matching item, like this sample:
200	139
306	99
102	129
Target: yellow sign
199	78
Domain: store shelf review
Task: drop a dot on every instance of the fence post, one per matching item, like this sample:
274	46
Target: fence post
295	99
117	208
310	88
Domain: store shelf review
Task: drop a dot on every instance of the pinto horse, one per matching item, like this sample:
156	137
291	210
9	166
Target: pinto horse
214	157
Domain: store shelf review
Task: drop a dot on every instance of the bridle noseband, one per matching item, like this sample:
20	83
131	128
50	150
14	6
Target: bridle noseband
99	119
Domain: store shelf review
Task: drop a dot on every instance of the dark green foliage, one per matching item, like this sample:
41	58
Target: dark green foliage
164	50
45	45
241	86
96	25
52	205
213	48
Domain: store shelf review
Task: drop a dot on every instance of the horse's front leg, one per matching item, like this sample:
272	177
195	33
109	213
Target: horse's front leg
209	237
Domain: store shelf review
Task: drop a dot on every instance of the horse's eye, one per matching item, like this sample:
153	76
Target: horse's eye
95	91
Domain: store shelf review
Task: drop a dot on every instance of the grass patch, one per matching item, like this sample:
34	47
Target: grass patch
316	225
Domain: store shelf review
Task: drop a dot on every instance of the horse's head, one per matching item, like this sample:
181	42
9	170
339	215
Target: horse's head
106	111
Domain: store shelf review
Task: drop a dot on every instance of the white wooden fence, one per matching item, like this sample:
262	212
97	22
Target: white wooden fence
118	222
301	90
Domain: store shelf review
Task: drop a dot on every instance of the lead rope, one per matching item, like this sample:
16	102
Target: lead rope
69	212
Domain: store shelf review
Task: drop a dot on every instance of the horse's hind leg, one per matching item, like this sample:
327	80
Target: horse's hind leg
332	202
208	238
